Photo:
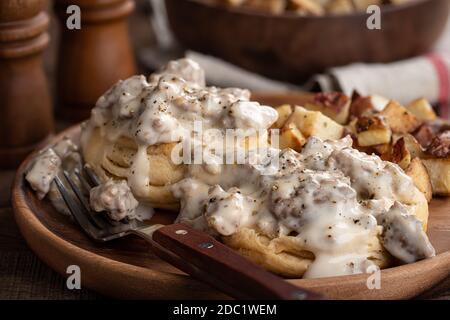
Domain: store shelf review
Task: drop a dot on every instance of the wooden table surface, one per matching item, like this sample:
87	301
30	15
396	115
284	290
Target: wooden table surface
22	274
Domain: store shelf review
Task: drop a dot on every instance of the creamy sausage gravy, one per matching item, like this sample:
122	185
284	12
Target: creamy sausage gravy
115	198
47	164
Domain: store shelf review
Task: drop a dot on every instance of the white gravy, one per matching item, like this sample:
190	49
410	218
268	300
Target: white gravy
114	197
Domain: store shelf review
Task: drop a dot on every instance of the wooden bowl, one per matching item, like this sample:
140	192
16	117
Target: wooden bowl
290	47
125	268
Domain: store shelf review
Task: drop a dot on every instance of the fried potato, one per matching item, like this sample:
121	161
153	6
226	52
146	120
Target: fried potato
439	172
372	131
362	106
400	154
440	145
383	150
419	174
424	135
291	137
399	119
284	112
314	123
335	105
422	109
413	146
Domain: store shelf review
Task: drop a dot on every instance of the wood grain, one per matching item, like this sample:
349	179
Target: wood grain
126	269
17	282
292	48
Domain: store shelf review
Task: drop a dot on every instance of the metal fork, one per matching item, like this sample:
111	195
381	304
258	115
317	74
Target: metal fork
191	251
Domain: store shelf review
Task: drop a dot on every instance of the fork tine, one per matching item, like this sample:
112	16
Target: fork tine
82	180
87	209
75	208
92	175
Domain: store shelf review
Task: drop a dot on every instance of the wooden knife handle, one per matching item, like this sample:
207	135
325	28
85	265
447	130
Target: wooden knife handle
224	268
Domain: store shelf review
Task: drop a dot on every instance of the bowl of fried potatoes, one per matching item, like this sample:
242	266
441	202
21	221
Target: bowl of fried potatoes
291	40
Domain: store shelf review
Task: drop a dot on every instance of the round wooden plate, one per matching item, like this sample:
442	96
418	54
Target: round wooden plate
125	268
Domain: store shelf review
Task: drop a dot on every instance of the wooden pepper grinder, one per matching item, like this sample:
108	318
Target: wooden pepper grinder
25	106
94	57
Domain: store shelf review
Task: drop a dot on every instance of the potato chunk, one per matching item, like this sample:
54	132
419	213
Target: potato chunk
291	137
400	154
419	174
399	119
365	106
372	131
284	112
439	171
335	105
314	123
413	146
422	109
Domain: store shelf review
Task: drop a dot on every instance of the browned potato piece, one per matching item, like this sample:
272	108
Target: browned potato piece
291	137
440	145
372	131
335	105
362	106
399	119
439	171
424	135
413	146
383	150
400	154
284	112
314	123
418	172
422	109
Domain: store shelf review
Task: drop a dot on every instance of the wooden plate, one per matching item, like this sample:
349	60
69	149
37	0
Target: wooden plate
126	269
